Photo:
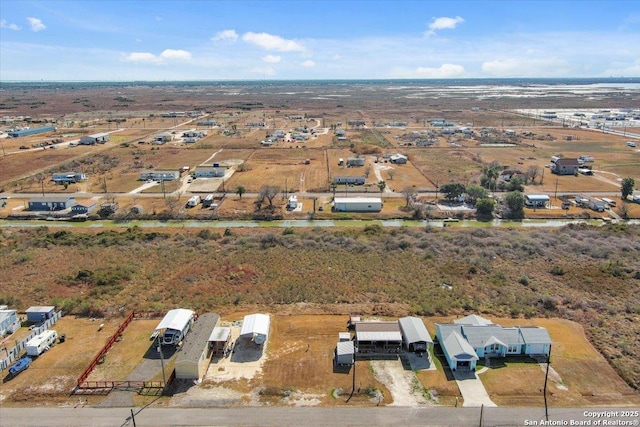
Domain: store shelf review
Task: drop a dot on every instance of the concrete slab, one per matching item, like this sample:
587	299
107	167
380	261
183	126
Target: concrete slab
472	389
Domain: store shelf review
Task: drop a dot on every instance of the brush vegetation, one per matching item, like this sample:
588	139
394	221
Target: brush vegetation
590	275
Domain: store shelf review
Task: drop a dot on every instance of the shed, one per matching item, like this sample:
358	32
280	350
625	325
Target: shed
37	313
344	353
219	339
357	204
344	336
414	334
192	362
51	203
255	327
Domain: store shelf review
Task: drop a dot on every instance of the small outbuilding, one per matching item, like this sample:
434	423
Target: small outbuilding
414	334
398	159
38	314
219	340
255	327
344	353
194	358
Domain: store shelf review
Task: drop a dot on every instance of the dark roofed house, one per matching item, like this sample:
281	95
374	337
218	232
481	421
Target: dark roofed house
83	208
51	203
566	166
194	358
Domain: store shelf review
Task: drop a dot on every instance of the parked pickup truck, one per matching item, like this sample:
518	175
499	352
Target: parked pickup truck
20	365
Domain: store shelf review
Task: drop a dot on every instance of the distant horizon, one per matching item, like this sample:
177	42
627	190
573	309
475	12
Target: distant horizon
249	40
450	79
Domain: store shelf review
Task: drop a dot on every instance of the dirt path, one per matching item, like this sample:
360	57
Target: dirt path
403	384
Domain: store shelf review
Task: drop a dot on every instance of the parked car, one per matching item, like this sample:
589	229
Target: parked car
24	147
20	365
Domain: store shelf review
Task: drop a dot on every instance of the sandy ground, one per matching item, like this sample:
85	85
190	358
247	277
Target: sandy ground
403	384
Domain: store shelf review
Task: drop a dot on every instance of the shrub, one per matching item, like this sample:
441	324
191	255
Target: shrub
557	270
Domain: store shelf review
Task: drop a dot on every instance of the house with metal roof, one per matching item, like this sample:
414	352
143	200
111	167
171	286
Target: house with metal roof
488	339
414	334
96	138
194	358
378	337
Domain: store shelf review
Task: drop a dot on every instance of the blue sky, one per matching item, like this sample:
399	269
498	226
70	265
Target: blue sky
255	40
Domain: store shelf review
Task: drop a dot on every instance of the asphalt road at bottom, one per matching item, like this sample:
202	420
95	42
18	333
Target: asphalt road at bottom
355	416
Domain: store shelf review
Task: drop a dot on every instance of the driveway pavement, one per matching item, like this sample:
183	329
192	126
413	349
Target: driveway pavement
472	389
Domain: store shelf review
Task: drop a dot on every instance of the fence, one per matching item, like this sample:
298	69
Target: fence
14	353
105	349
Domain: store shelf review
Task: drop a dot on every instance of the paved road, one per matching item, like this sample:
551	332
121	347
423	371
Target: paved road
342	416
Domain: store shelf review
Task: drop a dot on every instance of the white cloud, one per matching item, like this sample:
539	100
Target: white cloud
175	54
273	59
36	24
336	57
309	63
225	35
166	55
5	24
144	57
627	69
271	42
443	23
445	71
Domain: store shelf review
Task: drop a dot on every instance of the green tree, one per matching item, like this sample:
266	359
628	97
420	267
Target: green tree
516	184
452	190
381	186
240	190
485	207
515	202
627	187
475	193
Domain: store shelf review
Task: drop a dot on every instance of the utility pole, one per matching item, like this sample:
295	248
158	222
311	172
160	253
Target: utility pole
133	419
546	377
556	189
164	378
481	415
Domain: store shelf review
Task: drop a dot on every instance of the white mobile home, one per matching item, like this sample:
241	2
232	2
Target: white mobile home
41	343
357	204
175	325
194	358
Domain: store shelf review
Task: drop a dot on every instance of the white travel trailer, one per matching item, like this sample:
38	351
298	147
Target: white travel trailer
193	202
41	343
175	325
